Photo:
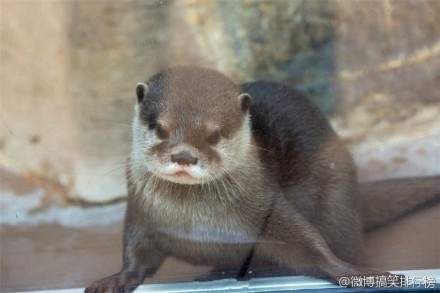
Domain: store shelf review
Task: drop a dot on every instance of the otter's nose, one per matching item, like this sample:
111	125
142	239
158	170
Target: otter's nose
184	158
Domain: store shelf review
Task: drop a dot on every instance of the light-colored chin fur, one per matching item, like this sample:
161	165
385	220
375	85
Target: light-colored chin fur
233	153
182	180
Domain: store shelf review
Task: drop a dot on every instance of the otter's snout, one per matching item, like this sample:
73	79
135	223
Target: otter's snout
184	158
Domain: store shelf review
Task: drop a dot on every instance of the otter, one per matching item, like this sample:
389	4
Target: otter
227	175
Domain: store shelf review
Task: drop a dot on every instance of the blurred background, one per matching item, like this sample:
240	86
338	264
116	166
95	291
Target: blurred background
68	71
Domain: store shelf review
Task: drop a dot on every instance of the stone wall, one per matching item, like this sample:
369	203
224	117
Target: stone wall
37	112
69	68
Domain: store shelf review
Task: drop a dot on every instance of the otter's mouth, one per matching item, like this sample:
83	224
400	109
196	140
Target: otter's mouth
182	174
182	177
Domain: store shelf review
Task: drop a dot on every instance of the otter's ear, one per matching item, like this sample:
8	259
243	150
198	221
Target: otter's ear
141	91
245	101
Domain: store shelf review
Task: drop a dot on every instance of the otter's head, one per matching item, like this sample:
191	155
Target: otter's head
191	125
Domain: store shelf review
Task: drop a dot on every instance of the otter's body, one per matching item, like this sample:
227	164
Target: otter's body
223	175
309	163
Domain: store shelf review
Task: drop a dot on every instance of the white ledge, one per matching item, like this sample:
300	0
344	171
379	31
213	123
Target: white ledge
274	284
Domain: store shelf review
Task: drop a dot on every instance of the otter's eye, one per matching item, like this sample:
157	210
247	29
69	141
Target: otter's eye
152	125
160	132
214	138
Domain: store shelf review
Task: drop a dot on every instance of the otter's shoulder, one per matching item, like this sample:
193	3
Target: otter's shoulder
285	110
288	124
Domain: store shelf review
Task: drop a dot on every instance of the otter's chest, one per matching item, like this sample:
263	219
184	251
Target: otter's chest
203	220
201	232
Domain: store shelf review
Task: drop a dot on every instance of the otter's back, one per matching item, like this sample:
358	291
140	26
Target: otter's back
288	126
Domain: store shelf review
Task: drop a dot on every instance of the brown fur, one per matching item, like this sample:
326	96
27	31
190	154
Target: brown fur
388	200
287	194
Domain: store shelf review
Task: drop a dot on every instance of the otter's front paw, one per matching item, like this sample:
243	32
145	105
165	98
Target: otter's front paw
119	283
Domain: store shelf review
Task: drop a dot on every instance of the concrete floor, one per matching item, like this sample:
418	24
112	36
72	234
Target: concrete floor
43	247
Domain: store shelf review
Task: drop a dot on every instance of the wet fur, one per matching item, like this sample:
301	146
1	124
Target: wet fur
279	186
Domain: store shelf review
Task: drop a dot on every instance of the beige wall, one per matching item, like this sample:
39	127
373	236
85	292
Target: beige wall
37	115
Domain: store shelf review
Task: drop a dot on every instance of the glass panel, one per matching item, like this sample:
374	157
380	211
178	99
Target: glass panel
228	178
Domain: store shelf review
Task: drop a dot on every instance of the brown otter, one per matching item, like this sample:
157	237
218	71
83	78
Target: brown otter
224	175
